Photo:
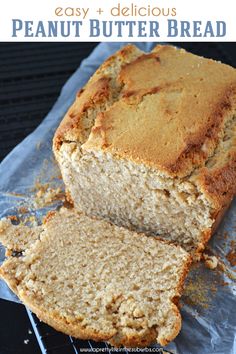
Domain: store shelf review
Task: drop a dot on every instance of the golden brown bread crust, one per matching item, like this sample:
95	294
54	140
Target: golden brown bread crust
165	92
219	184
185	85
220	216
96	93
71	126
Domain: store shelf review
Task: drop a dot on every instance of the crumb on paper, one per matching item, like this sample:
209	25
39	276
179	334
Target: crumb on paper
226	235
222	267
201	287
226	263
45	195
231	257
211	262
230	273
49	171
13	218
58	176
23	210
198	292
26	341
224	283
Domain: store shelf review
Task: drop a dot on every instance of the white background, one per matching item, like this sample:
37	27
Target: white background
200	10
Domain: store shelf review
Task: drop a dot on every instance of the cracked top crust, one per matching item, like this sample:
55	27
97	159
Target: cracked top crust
170	112
100	91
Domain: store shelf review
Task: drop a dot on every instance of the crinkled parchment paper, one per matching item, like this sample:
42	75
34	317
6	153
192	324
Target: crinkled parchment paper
208	305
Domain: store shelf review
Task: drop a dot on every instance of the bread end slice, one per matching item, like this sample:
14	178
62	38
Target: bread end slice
94	280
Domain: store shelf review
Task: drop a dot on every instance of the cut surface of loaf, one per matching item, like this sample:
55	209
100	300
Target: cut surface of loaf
94	280
150	144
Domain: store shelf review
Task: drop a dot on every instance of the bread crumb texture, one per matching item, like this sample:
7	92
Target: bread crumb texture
94	280
45	195
211	262
231	256
150	144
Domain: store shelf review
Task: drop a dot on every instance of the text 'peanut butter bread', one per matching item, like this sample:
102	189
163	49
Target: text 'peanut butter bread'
150	144
94	280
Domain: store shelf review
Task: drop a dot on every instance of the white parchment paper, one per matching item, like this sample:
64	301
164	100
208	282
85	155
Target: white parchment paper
208	328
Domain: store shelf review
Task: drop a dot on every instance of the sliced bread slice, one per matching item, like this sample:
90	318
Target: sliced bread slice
94	280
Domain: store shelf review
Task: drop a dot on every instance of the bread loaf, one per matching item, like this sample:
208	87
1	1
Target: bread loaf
150	144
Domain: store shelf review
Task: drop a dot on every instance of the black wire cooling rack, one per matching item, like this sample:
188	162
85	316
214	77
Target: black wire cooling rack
53	342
